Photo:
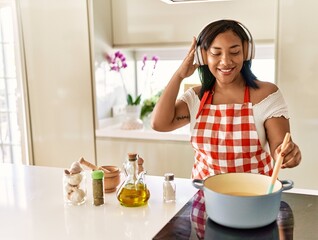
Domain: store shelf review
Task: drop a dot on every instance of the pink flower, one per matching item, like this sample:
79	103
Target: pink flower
154	59
144	59
116	62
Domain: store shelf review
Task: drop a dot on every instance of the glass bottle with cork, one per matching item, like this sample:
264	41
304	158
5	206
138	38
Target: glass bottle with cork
134	191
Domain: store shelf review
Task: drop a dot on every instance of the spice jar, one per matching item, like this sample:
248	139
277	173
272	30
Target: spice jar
169	188
98	187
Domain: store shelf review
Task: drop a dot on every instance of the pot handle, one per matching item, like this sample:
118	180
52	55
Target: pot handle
287	184
198	183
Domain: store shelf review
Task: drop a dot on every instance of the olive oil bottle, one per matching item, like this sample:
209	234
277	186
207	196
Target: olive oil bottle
133	192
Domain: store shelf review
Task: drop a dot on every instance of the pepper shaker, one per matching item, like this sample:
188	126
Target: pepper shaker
169	188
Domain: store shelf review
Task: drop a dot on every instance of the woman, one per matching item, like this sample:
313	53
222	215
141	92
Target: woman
237	122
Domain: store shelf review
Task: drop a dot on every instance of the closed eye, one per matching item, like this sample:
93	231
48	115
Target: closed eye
219	54
235	53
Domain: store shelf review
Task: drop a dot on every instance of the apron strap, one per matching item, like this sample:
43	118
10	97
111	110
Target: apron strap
203	101
247	95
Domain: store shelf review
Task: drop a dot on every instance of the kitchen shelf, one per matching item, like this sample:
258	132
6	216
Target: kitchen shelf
110	128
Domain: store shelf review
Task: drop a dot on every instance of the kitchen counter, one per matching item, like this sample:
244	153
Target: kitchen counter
32	208
110	128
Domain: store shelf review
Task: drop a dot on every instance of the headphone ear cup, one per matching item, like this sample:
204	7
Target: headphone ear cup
249	51
246	49
248	46
198	56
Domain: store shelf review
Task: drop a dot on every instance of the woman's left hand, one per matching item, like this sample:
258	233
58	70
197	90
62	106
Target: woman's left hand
291	154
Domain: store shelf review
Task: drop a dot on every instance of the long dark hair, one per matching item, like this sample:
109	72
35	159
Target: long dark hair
205	39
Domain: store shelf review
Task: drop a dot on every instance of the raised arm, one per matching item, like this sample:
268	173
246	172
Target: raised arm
170	113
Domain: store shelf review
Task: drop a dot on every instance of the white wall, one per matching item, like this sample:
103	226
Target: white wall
297	77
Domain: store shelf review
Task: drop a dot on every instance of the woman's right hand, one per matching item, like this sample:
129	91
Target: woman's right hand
188	66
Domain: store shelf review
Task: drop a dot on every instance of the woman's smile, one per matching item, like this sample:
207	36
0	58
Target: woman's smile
226	71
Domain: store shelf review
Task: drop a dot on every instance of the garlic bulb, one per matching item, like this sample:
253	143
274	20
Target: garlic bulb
75	179
68	188
77	196
75	168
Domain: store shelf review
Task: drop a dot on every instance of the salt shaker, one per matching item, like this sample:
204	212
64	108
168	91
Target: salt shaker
169	188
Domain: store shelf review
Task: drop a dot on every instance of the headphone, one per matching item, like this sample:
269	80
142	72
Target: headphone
248	47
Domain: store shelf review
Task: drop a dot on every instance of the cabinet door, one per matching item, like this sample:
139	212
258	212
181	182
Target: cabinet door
142	22
159	156
58	71
297	78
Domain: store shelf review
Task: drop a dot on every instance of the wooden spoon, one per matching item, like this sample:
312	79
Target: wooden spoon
278	163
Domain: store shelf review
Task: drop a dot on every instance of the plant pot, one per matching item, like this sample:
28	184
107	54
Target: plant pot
132	118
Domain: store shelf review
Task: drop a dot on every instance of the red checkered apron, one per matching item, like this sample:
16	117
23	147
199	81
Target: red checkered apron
198	214
225	140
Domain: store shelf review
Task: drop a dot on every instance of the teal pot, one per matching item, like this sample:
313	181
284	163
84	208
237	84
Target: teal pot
240	200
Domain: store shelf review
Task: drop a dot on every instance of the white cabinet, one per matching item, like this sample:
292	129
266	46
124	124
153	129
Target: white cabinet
153	22
160	156
297	77
59	80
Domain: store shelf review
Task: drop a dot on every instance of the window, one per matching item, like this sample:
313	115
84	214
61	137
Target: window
11	130
263	66
109	88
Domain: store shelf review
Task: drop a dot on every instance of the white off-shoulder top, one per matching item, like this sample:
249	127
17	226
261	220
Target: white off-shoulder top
273	105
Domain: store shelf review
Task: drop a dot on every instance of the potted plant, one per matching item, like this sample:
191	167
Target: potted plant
117	63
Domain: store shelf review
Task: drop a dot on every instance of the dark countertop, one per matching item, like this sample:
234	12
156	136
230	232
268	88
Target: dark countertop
297	219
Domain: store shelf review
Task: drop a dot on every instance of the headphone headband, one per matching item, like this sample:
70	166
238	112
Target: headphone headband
249	48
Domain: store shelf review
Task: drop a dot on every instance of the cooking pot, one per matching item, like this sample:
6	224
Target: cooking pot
240	200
